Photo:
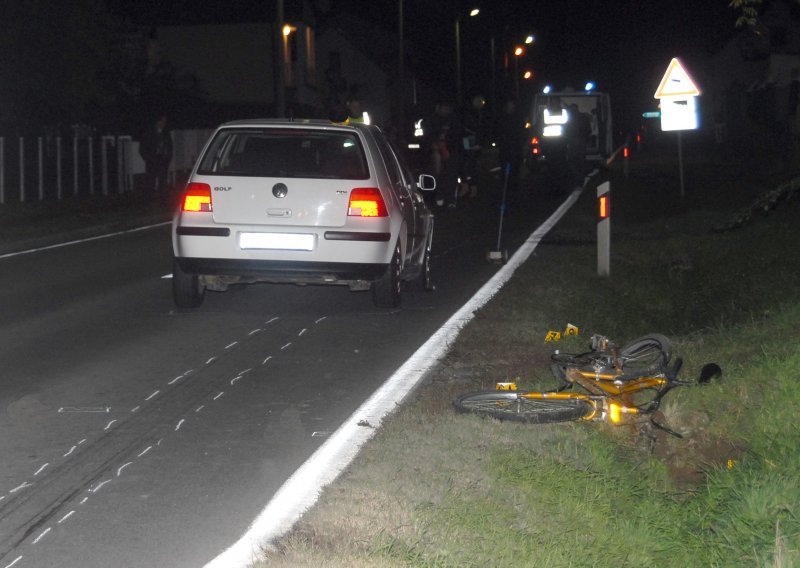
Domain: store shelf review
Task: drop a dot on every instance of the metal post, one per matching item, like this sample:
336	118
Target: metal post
104	164
680	164
21	169
91	165
604	229
120	169
2	170
58	168
41	170
75	165
458	62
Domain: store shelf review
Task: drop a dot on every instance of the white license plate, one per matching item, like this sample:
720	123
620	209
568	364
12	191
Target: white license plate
276	241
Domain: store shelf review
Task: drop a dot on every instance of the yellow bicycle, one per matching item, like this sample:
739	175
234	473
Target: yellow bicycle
617	383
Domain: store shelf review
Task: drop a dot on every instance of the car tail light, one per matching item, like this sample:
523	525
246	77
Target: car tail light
366	202
535	145
197	197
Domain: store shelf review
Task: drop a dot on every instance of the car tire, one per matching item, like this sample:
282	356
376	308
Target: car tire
386	290
188	290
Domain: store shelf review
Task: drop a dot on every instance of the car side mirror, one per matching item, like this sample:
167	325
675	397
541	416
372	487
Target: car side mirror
426	182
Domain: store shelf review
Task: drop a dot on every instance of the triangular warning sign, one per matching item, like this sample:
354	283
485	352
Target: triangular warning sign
676	83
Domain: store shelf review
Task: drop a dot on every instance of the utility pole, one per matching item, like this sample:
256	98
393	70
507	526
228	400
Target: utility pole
280	56
401	88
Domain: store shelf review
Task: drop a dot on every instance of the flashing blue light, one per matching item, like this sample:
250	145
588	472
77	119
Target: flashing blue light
589	86
547	89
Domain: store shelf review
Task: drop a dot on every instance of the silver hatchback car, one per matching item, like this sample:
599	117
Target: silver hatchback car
304	202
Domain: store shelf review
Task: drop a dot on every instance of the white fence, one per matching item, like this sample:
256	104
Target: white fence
40	168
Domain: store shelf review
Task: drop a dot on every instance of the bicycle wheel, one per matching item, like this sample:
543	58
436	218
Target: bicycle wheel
505	405
646	355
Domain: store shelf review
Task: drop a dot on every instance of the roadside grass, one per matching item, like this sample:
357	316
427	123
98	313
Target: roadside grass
29	223
434	488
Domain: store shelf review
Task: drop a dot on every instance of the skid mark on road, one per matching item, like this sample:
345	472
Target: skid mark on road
142	454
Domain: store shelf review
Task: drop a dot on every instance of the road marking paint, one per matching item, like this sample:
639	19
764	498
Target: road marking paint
320	434
135	408
98	409
147	449
175	380
41	536
219	395
72	449
86	240
321	319
84	500
17	559
254	332
2	497
109	425
82	441
159	441
21	486
100	486
302	331
123	466
273	319
302	489
41	469
201	407
231	345
210	360
286	346
267	359
180	423
65	517
234	379
167	276
152	395
242	373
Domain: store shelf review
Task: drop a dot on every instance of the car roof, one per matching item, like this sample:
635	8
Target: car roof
295	123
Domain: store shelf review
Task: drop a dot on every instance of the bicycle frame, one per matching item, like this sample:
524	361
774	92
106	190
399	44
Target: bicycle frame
610	397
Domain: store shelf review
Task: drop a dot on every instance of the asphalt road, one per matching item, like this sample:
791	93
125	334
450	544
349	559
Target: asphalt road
136	434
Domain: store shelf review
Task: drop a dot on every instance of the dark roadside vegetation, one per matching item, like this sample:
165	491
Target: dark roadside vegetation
717	273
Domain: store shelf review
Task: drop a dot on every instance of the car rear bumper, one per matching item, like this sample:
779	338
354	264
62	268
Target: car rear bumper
283	271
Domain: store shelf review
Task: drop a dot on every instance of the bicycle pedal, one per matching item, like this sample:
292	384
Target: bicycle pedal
505	386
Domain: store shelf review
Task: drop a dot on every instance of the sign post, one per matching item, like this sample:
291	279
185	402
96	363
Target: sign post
604	229
677	94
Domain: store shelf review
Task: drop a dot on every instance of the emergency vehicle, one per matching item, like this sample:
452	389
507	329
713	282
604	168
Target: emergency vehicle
551	114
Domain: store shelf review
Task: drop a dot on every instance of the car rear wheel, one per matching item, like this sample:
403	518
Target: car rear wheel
188	290
386	290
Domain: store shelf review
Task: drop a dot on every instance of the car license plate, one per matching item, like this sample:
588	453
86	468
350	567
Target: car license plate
276	241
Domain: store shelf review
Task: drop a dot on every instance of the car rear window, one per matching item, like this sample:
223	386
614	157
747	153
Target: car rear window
290	153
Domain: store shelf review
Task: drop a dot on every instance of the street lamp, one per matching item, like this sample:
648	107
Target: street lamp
518	52
530	39
474	12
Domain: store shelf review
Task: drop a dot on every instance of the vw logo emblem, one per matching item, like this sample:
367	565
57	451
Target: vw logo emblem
280	190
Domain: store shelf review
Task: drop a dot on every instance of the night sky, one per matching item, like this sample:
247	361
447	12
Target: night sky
622	45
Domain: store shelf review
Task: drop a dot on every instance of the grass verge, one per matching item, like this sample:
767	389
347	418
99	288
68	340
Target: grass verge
438	489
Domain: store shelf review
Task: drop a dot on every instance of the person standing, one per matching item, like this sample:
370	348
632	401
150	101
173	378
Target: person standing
445	134
155	148
510	140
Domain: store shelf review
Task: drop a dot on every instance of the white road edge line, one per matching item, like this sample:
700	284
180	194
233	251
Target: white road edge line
79	241
303	488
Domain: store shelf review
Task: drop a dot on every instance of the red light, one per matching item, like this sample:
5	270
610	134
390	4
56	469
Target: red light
625	153
604	206
535	144
366	202
197	197
638	137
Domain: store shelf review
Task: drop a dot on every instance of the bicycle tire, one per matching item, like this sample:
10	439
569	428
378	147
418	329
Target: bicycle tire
649	354
505	405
